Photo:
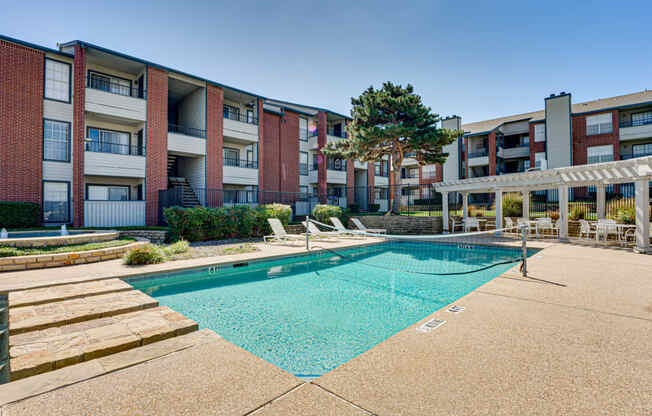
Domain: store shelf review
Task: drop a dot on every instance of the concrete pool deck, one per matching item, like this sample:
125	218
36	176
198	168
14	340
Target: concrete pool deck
576	341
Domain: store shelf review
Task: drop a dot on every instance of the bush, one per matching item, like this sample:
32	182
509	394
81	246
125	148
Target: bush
323	213
147	254
355	208
19	214
9	252
626	215
201	224
179	247
374	207
512	206
577	213
554	215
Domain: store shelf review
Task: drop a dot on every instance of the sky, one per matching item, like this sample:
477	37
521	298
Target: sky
477	59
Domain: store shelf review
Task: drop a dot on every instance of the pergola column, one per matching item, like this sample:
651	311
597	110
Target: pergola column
563	212
601	198
465	205
499	209
526	203
642	199
444	211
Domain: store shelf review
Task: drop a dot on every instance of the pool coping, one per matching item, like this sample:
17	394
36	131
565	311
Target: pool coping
94	236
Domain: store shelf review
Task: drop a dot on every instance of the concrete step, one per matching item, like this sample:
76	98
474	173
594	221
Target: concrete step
37	317
53	348
64	292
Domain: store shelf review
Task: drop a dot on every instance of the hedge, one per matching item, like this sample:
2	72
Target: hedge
202	224
19	214
323	213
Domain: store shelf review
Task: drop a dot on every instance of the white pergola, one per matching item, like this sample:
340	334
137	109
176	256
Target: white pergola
638	171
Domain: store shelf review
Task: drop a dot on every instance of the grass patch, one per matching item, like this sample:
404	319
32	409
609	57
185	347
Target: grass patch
6	251
240	249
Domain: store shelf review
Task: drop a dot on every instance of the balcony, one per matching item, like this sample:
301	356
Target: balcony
519	151
115	100
113	159
240	126
240	171
637	129
114	213
186	140
478	157
340	134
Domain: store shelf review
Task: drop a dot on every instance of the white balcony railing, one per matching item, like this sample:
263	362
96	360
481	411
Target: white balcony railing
114	213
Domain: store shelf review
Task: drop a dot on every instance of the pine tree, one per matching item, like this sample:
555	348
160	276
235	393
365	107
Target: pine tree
393	121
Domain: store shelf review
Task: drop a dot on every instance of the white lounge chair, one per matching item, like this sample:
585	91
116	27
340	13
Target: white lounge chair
280	235
509	225
313	230
362	227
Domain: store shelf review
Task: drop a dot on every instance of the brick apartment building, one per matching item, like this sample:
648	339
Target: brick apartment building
97	137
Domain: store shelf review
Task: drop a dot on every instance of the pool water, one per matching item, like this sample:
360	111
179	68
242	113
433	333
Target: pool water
310	314
32	234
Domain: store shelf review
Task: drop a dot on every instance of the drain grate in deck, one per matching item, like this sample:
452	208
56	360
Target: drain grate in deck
430	325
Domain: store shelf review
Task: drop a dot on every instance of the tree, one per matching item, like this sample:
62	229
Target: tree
393	121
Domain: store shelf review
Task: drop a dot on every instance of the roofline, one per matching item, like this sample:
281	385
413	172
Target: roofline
168	69
35	46
620	107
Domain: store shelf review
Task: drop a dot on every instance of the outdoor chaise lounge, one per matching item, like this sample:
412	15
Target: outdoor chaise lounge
315	231
362	227
280	235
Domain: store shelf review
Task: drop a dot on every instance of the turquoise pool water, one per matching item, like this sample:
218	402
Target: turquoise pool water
310	314
32	234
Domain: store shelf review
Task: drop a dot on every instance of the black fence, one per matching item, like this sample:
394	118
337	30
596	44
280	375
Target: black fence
114	148
102	83
188	131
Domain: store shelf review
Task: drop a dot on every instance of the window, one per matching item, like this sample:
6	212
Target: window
252	155
525	141
304	189
526	165
56	201
598	124
303	163
56	140
598	154
250	116
429	172
540	161
641	119
57	80
380	194
539	132
109	141
303	129
381	168
232	113
231	156
107	192
114	85
639	150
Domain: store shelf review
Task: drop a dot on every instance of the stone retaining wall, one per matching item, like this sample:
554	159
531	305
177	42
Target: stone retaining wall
90	237
402	224
155	236
41	261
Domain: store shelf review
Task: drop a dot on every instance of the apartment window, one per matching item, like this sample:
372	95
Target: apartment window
57	80
598	124
252	155
429	172
641	119
303	163
525	141
231	112
303	129
539	132
108	83
599	154
231	156
639	150
56	140
250	116
56	201
526	165
304	189
107	192
381	168
540	161
109	141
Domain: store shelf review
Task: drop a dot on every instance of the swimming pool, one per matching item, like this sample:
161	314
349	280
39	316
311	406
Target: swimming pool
309	314
33	234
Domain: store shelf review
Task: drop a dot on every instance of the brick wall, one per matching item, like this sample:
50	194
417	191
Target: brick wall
492	153
289	155
371	176
79	121
581	141
214	136
157	139
321	161
350	181
21	123
270	152
535	147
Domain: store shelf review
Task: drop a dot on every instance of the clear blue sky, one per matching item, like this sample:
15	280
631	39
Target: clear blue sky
477	59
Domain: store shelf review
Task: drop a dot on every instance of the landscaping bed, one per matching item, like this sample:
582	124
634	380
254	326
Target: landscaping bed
6	251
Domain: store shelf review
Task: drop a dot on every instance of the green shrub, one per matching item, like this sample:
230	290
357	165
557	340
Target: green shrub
512	206
577	213
179	247
19	214
374	207
9	252
626	215
201	224
147	254
323	213
354	208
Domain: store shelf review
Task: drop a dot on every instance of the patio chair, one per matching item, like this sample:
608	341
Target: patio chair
471	222
607	227
531	228
585	230
314	231
509	226
360	226
457	223
546	224
280	235
631	233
